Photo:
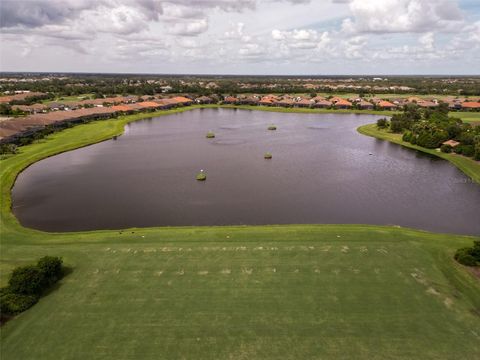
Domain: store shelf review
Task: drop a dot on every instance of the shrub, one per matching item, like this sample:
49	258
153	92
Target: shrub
396	126
201	176
431	139
476	156
407	136
272	127
12	304
446	148
27	280
8	149
469	256
382	123
210	135
466	150
27	284
464	257
51	267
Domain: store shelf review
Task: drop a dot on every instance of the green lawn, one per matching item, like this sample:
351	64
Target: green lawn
290	292
467	116
68	99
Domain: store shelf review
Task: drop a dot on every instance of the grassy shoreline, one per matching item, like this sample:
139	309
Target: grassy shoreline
468	166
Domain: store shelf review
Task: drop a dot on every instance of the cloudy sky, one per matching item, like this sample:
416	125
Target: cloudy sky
242	36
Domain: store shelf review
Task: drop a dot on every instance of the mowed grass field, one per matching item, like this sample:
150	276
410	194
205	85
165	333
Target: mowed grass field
290	292
270	292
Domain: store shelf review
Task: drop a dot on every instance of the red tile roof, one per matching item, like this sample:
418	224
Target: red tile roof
342	102
386	104
121	108
471	105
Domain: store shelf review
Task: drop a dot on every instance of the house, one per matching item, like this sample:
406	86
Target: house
318	98
302	102
386	105
399	101
285	102
426	104
182	100
336	99
204	100
322	104
364	105
342	104
414	99
230	100
252	100
123	109
454	105
266	101
451	143
31	109
471	105
148	105
55	106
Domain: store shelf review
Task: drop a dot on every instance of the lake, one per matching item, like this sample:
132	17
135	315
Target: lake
323	171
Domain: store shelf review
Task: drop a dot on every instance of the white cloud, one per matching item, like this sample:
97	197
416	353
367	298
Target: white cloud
189	28
302	38
427	40
251	50
241	35
390	16
235	31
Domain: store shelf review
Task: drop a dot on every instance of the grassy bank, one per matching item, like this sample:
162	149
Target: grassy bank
469	166
295	291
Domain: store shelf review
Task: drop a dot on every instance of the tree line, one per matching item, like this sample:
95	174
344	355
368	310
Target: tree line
431	128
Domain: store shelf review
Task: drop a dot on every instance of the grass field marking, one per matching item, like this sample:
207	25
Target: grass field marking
247	271
363	249
225	271
202	272
432	291
345	249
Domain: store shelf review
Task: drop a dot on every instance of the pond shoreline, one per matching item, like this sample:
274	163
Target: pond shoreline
99	131
469	167
24	207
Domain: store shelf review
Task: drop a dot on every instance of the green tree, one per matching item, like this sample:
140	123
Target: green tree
51	267
27	280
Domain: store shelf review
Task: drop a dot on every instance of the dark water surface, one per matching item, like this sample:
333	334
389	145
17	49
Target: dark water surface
321	172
